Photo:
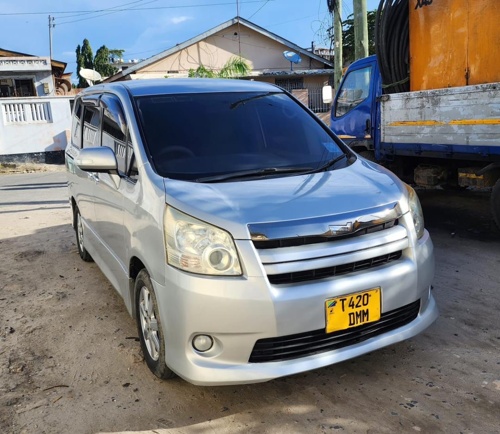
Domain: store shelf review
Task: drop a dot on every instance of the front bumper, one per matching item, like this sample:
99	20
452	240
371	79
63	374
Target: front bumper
237	312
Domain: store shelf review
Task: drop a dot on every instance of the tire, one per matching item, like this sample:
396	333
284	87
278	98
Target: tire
149	327
80	237
495	203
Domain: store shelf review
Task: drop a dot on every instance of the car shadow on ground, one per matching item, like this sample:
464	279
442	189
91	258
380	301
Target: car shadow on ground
463	213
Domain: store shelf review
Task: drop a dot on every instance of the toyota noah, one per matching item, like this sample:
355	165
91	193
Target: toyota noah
245	238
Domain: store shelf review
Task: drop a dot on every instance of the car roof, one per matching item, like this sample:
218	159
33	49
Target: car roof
165	86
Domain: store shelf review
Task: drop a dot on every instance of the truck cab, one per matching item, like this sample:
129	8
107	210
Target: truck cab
354	115
429	137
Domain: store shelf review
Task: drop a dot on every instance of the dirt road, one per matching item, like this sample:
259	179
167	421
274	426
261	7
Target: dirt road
70	360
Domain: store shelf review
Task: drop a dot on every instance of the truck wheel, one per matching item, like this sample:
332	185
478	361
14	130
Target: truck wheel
149	327
495	203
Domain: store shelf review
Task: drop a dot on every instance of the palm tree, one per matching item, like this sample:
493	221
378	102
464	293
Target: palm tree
234	67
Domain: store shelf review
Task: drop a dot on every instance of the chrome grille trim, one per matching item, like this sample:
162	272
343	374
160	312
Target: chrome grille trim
333	256
395	238
349	224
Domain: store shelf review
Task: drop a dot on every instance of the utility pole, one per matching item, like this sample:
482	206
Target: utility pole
360	29
239	30
335	7
51	26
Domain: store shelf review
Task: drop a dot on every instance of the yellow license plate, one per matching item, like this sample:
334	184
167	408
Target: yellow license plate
352	310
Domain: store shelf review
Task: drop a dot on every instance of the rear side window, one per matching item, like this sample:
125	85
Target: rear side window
91	117
76	133
114	129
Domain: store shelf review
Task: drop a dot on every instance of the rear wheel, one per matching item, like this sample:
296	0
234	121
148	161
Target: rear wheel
495	203
149	327
80	237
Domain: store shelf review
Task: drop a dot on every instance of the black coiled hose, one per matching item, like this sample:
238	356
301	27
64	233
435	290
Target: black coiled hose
392	42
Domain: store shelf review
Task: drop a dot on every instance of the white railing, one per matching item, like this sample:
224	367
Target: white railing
34	124
26	113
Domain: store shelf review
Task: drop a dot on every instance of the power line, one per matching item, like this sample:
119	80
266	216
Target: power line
114	7
290	21
131	9
258	10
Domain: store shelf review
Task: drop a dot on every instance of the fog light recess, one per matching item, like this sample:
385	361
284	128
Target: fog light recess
202	343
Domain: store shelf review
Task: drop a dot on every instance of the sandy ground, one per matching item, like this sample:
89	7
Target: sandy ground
70	360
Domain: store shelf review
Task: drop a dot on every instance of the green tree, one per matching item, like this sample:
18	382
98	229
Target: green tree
84	59
234	67
101	62
115	54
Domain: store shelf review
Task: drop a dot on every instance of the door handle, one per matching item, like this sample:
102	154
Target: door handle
93	176
368	126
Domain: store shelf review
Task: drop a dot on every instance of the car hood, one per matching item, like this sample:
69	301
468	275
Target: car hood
354	190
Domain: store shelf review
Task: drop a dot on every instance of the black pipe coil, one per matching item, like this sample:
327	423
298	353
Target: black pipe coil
392	45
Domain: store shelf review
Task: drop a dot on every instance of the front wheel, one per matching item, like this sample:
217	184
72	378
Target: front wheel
149	327
80	237
495	203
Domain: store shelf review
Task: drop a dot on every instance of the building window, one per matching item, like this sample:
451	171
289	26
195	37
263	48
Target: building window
11	87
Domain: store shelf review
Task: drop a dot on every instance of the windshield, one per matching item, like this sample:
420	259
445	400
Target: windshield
197	137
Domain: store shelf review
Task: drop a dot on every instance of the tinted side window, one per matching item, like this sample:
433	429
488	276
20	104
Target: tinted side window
91	126
114	129
76	133
354	90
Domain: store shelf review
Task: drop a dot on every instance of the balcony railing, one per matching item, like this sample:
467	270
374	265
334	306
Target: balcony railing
26	112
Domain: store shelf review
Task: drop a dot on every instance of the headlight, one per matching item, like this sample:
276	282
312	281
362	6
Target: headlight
416	211
197	247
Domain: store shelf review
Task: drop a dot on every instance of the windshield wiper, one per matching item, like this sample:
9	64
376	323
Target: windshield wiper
245	100
329	164
254	173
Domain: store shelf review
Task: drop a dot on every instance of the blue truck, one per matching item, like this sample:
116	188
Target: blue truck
430	137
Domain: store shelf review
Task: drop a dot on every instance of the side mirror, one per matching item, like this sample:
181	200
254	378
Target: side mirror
101	159
327	93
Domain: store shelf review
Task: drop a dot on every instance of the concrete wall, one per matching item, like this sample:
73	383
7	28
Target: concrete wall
34	125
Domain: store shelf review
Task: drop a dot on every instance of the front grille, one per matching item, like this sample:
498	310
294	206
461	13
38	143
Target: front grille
321	273
302	241
309	343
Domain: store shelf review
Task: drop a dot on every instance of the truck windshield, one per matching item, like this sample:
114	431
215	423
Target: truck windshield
210	136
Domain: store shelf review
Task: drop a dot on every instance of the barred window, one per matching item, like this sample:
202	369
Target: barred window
290	84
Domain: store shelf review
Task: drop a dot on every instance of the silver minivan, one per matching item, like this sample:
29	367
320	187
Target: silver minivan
245	238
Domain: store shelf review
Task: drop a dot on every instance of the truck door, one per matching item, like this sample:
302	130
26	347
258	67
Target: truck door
351	117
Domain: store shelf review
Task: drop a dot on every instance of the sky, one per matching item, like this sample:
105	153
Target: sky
144	28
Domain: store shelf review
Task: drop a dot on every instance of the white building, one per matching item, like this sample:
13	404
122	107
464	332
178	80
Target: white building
34	116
